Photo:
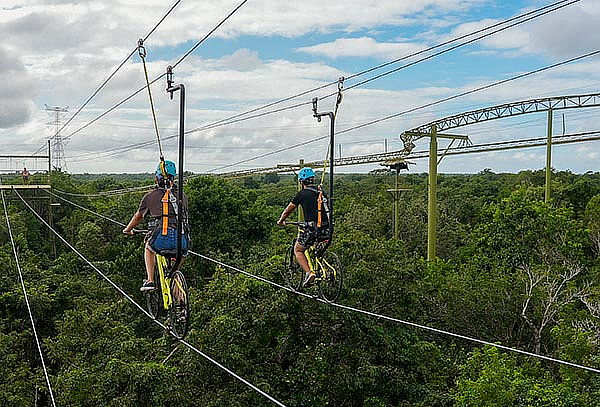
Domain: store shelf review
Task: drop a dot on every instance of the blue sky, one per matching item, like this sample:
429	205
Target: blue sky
58	51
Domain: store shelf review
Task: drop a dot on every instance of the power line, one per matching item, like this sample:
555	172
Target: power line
37	339
131	300
236	118
386	317
115	71
162	75
369	123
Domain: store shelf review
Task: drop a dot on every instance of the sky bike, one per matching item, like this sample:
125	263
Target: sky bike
171	298
325	264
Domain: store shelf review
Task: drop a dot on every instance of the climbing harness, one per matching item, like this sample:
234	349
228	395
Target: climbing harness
322	205
142	54
166	199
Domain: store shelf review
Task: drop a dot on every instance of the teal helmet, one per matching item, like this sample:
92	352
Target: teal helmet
166	169
306	173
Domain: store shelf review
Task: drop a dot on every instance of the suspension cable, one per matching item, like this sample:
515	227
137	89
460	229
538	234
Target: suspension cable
437	102
237	118
386	317
162	75
35	334
113	73
144	311
142	54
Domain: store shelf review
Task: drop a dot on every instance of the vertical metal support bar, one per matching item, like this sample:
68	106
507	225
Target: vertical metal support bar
396	198
170	90
181	155
432	206
548	157
49	162
331	159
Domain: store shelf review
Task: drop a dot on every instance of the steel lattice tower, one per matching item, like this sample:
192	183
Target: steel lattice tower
56	114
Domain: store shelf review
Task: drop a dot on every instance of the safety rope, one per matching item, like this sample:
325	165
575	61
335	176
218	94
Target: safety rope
144	311
142	54
386	317
35	334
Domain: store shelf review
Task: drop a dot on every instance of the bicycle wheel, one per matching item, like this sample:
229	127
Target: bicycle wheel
179	313
292	272
331	277
154	299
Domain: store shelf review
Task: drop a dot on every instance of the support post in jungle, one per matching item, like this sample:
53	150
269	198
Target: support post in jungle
432	205
548	157
397	164
171	89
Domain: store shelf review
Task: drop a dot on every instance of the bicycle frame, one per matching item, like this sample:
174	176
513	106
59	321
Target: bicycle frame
165	283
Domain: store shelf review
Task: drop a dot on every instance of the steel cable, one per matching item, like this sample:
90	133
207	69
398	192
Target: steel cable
35	334
437	102
143	310
113	73
162	75
386	317
238	117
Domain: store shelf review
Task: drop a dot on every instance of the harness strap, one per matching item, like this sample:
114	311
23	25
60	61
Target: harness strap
319	208
165	212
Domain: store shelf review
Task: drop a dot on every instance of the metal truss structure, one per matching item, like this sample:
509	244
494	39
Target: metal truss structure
451	122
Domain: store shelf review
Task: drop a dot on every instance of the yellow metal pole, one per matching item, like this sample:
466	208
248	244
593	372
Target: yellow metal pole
396	197
548	157
432	205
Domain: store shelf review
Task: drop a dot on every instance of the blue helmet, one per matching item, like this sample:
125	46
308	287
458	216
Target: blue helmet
306	173
166	169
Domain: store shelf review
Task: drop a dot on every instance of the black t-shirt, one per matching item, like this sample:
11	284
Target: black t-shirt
308	199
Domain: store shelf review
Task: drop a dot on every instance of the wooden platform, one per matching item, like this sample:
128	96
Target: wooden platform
4	186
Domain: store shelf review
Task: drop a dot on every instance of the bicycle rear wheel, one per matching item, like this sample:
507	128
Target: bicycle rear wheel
154	300
292	272
331	277
179	313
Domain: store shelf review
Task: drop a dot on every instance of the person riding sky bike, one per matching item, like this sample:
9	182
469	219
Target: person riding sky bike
316	215
161	205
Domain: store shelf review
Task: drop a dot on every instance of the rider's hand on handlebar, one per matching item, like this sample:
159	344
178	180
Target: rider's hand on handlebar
128	232
281	222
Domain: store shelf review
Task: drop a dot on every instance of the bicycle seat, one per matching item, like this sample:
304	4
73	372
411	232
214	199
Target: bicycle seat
168	253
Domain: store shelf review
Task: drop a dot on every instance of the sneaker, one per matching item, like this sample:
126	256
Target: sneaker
147	286
309	279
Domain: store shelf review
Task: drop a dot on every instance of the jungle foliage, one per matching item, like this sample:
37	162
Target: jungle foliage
511	269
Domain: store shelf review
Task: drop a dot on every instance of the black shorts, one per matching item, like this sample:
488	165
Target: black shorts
311	235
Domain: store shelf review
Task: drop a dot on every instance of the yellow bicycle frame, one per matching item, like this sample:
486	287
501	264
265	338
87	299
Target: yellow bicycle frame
318	264
165	283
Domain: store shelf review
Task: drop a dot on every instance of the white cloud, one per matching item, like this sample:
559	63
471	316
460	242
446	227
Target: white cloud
362	47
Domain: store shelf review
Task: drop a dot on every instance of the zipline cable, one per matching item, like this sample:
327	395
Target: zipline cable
143	310
437	102
160	76
237	118
231	119
142	54
113	73
385	317
35	334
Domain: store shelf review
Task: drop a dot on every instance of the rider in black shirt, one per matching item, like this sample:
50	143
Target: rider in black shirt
317	229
